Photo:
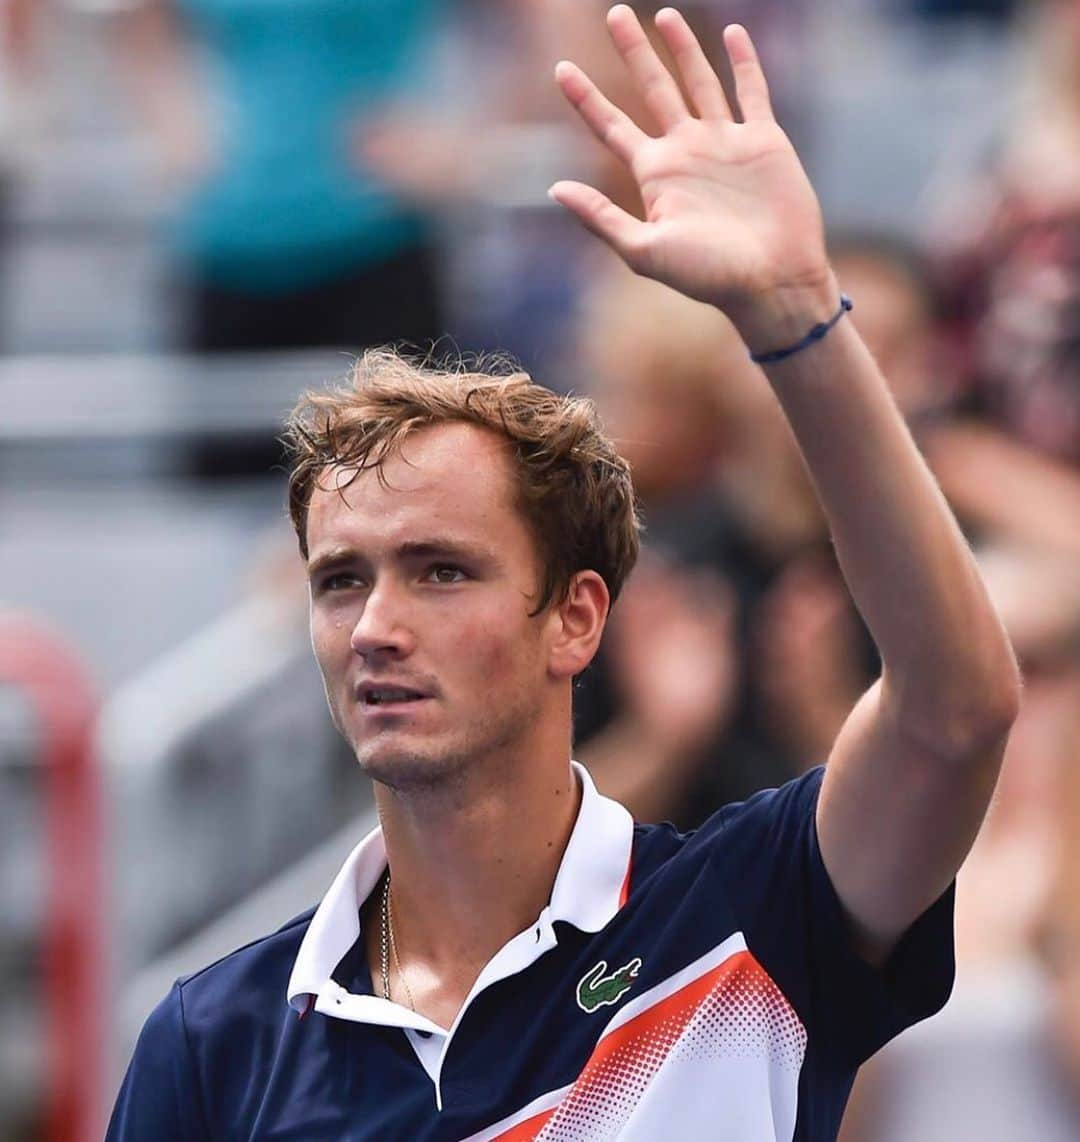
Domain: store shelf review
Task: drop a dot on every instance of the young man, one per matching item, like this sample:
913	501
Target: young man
509	956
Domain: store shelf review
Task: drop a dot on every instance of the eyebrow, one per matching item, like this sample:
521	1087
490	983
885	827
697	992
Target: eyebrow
435	547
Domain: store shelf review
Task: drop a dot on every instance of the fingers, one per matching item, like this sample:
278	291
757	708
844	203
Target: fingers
598	214
656	84
750	85
700	80
614	128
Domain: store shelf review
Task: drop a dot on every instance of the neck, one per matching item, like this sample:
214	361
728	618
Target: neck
473	868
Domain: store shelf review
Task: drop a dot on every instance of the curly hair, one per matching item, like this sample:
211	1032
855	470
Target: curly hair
572	486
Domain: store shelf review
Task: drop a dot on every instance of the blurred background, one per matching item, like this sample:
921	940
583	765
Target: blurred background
208	205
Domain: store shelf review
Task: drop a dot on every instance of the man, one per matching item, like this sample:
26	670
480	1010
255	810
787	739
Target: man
508	956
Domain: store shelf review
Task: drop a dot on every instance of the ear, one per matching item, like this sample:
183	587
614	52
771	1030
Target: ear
578	623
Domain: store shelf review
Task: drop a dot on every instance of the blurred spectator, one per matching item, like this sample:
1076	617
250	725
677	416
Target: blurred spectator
1009	247
1016	292
671	663
813	657
1012	246
504	54
484	155
1003	884
286	239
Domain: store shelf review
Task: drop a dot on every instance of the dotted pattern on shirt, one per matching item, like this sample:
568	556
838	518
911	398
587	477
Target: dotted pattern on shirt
733	1011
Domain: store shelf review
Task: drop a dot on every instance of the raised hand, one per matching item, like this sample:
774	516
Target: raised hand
730	216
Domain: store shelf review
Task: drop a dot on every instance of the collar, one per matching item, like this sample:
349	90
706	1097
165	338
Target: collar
590	887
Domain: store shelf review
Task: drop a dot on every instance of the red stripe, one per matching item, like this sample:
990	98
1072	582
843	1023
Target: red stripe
624	893
526	1131
604	1066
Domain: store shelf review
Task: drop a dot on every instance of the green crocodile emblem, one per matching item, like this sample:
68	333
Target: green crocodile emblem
597	989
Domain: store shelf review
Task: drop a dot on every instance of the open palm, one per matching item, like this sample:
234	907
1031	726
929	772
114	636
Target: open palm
729	212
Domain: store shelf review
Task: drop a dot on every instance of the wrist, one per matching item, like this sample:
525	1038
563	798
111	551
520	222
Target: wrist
784	316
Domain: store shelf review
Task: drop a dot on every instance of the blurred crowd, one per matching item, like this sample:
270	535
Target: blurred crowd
353	172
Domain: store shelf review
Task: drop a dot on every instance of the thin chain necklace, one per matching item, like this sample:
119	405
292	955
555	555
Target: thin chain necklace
388	947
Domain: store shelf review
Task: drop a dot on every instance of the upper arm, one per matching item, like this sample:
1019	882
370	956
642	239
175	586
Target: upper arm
895	820
160	1098
775	881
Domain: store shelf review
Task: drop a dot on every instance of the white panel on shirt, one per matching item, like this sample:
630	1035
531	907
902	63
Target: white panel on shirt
714	1052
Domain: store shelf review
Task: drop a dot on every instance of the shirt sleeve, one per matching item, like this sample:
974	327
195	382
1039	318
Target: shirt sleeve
160	1098
796	928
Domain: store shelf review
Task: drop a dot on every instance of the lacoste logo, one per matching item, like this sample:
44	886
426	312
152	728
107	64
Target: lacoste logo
597	989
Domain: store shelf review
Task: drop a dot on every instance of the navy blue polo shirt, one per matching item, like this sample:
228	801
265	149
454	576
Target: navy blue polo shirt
676	985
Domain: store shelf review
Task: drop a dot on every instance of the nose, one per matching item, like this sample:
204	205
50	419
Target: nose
382	628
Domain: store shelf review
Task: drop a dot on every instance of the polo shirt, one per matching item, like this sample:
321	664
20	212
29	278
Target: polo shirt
676	985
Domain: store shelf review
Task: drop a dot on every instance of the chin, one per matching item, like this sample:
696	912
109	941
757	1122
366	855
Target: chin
409	757
400	767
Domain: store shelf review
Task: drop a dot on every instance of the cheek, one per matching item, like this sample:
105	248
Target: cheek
330	644
497	655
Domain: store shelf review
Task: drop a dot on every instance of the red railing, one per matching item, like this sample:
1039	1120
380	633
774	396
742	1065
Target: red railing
36	662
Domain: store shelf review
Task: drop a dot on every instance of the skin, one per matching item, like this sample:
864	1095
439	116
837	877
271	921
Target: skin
473	785
383	613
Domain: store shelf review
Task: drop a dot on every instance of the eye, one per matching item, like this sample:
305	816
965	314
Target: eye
340	581
446	573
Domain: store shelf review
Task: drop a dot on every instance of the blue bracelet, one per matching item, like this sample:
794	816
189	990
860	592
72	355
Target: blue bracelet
812	338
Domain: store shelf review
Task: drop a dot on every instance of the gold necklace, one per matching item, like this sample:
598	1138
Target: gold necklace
388	948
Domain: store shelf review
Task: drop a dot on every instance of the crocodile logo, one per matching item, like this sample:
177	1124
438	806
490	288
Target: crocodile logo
597	989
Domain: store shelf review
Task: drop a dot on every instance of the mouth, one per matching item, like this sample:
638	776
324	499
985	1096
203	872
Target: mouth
386	699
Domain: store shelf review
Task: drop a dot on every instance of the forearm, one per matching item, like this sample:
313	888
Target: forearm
949	673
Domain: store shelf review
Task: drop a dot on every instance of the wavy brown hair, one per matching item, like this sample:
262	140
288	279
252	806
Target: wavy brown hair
573	488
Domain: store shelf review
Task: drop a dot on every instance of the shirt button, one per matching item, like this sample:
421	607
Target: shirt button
424	1034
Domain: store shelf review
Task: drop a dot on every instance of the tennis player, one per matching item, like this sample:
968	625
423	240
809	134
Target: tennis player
509	956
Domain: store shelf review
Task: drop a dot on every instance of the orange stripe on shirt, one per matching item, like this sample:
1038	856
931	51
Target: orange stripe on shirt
669	1017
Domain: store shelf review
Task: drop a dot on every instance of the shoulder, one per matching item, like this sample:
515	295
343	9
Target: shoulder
187	1070
772	817
248	983
755	868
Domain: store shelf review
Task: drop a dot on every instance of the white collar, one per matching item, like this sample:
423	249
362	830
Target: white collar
590	887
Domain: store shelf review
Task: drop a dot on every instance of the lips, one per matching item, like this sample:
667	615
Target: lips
374	695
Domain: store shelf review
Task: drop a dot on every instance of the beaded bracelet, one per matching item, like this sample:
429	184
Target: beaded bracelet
816	334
